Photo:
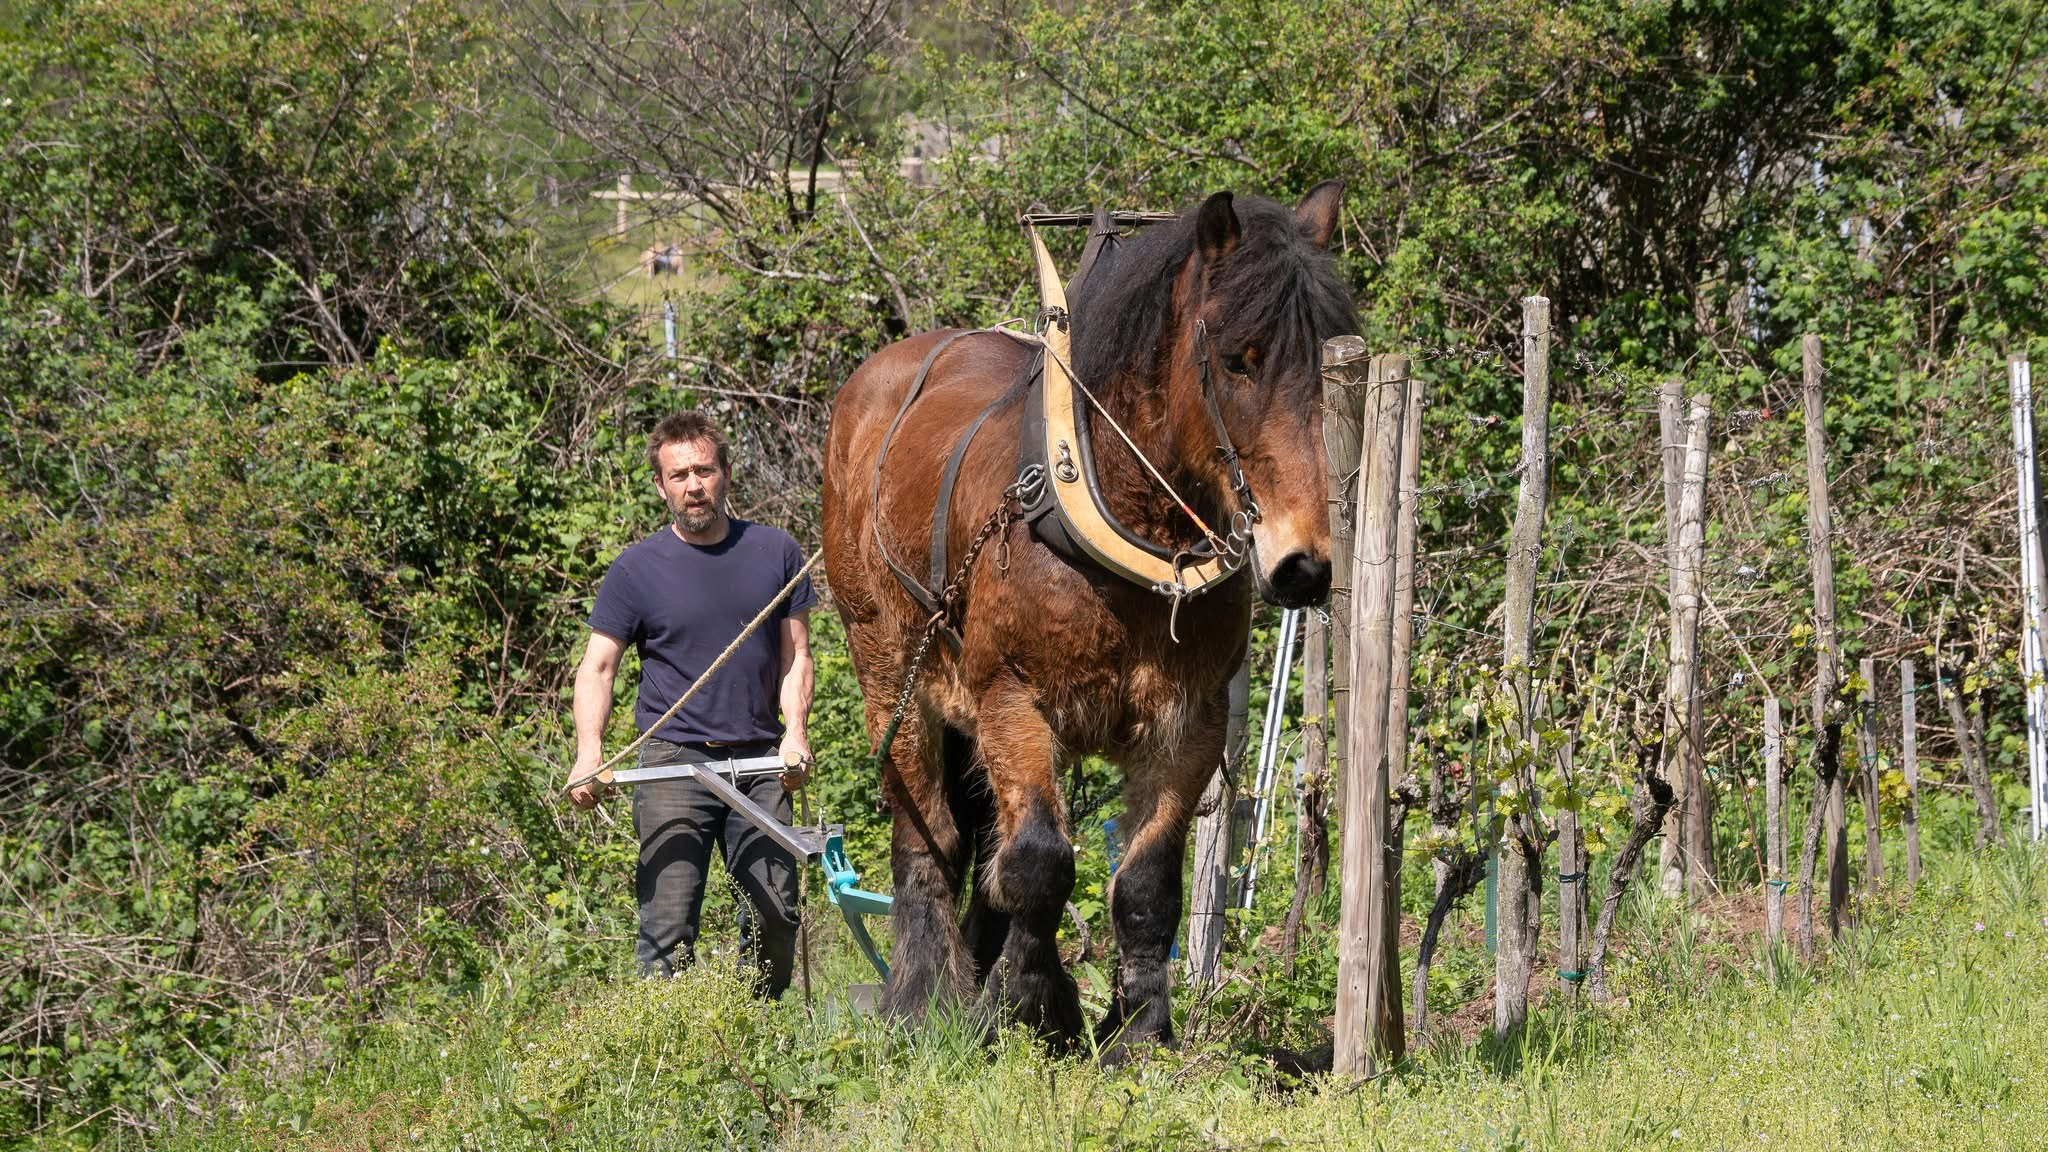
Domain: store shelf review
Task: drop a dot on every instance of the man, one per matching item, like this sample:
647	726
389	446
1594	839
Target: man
681	596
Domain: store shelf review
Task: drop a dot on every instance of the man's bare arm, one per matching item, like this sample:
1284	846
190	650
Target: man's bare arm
797	676
592	707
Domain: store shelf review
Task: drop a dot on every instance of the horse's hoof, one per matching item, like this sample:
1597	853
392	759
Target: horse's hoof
1125	1046
1047	1002
912	1001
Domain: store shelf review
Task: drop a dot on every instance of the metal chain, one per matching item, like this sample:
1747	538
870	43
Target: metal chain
1008	512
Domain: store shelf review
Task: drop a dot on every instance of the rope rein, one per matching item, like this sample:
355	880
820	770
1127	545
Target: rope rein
1157	477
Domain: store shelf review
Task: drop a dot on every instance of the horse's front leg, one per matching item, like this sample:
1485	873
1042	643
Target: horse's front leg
1032	869
1160	795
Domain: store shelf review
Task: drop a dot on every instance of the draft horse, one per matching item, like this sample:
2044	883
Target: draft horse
1203	329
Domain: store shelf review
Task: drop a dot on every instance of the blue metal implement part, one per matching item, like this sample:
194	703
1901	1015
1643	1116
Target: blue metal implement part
842	887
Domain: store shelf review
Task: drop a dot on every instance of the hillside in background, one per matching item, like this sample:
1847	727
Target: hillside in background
325	386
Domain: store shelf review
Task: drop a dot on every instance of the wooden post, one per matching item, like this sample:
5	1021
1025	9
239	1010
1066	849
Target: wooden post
1683	746
1213	821
1315	743
1362	979
1699	828
1521	851
1774	822
1827	678
1866	780
1345	371
1672	443
1394	367
1671	451
2033	661
1909	755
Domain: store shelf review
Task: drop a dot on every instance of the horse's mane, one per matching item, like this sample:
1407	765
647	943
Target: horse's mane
1283	290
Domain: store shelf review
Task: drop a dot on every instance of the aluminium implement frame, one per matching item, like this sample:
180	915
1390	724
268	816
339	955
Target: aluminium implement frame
825	842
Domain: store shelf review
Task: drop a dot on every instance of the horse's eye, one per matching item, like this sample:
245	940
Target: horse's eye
1236	366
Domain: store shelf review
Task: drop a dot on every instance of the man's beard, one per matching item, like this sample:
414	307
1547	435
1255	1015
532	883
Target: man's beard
698	518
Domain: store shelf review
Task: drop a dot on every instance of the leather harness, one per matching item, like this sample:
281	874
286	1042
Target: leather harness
1060	496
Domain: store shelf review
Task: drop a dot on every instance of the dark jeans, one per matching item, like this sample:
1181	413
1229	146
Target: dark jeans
677	822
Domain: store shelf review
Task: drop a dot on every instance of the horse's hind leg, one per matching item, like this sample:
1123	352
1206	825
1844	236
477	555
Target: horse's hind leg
930	963
1031	873
974	813
1145	895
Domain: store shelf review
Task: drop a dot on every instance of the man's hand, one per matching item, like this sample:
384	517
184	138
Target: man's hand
587	794
796	761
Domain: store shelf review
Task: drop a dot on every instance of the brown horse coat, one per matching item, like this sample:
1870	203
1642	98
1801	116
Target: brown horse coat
1058	660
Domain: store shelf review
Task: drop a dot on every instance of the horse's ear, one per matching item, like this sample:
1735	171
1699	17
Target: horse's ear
1318	211
1216	229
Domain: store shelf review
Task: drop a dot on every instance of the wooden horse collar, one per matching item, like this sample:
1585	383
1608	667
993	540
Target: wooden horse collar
1056	486
1069	513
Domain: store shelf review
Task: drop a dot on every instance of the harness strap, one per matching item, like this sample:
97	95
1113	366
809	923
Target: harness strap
942	510
926	598
1239	485
1102	237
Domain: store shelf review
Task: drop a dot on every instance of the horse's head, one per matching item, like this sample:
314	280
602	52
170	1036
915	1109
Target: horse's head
1225	313
1266	297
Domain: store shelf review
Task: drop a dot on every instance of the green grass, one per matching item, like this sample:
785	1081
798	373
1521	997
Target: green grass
1921	1028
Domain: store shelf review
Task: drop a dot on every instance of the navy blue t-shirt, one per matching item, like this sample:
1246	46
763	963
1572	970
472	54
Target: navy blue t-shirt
680	604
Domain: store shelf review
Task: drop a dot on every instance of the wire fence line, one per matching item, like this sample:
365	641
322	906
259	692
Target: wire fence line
1914	566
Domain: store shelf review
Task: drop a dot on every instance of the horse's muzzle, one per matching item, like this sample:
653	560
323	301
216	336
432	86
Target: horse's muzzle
1298	581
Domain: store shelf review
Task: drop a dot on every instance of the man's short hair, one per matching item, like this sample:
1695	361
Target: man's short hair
680	427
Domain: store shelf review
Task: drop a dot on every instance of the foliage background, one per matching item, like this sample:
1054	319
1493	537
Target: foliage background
322	424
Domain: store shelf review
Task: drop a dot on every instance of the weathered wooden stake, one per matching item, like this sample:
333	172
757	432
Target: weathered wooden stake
1362	978
1699	809
1521	846
2033	660
1671	448
1214	820
1346	368
1774	822
1827	679
1671	453
1909	755
1311	825
1684	749
1866	780
1393	1033
1315	744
